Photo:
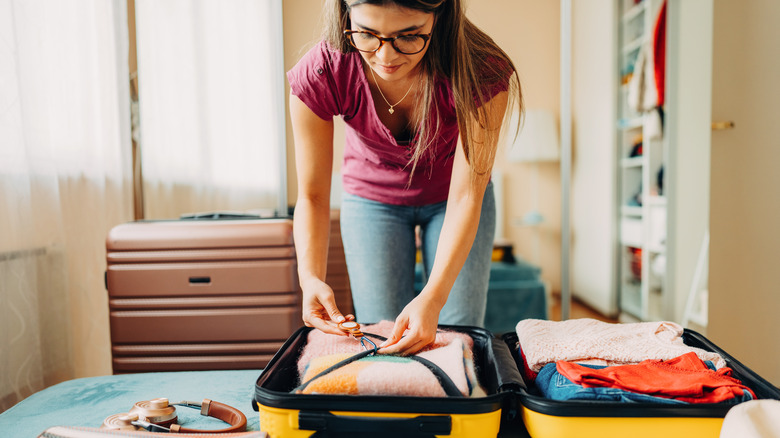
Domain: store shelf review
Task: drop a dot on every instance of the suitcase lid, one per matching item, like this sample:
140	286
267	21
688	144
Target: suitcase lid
185	234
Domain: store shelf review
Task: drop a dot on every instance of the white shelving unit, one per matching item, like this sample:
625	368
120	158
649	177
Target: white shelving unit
642	207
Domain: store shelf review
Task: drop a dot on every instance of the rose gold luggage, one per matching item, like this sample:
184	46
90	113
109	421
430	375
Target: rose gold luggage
200	294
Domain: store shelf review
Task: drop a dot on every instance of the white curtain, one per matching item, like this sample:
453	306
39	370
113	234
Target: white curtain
64	182
211	81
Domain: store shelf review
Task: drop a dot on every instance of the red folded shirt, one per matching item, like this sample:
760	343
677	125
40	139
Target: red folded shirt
686	378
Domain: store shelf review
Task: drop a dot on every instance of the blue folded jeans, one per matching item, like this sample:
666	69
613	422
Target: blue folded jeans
555	386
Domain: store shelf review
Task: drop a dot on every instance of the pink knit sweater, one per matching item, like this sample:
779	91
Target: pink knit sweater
595	342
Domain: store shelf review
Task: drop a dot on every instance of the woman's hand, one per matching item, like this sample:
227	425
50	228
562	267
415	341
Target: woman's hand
320	310
419	319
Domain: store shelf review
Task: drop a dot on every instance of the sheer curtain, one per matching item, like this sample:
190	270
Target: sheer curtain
65	180
211	91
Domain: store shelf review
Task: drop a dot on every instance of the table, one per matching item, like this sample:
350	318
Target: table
88	401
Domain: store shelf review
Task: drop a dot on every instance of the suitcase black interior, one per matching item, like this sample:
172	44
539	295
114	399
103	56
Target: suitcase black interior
530	397
495	369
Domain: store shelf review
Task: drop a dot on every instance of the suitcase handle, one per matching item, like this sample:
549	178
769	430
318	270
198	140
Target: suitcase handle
327	424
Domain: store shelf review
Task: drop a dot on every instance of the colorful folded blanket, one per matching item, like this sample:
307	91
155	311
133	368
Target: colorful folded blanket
600	343
395	375
322	344
389	375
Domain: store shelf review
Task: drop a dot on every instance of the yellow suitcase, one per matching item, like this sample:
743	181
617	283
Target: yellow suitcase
547	418
289	415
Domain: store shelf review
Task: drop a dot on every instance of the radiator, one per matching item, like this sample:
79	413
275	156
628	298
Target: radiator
34	322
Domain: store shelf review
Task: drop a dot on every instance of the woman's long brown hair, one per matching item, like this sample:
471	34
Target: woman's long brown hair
460	52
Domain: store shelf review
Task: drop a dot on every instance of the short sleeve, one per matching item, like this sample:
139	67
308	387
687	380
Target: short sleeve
497	74
312	80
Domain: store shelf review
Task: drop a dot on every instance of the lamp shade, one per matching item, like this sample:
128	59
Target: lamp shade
537	139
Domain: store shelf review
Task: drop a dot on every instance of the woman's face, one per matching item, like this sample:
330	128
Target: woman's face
390	21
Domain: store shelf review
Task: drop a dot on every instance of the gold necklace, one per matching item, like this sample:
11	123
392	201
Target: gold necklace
390	110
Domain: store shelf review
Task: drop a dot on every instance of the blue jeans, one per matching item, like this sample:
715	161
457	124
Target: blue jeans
379	244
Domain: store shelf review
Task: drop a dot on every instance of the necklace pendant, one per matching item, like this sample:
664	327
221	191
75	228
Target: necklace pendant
391	110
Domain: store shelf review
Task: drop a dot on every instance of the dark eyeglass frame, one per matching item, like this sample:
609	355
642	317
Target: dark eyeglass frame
382	40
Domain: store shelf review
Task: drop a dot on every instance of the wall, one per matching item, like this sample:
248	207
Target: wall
301	31
744	188
528	31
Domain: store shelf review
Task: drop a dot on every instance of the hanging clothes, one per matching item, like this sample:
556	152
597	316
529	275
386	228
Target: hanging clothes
642	95
647	88
659	55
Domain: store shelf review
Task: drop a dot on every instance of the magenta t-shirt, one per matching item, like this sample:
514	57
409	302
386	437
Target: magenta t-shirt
376	166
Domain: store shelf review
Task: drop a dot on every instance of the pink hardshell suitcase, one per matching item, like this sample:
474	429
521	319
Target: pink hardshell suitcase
198	294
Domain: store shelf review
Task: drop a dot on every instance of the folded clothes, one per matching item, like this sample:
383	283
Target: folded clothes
451	351
555	386
320	344
595	342
394	375
686	378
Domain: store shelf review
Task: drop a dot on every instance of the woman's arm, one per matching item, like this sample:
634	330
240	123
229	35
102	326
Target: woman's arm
461	220
314	164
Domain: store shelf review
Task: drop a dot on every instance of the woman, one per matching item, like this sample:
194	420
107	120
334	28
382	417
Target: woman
423	93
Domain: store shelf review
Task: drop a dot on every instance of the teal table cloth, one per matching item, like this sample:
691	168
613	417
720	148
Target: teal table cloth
88	401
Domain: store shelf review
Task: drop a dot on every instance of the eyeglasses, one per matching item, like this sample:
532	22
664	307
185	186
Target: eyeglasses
370	42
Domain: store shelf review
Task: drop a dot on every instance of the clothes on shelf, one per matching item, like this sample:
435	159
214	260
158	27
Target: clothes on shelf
647	86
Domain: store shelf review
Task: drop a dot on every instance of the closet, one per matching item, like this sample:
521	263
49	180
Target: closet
639	232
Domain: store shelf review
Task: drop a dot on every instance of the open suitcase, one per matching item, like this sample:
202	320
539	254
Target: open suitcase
511	408
200	294
547	418
286	414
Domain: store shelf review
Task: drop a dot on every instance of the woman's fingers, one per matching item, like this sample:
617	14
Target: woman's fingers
329	327
407	345
400	326
329	305
320	310
397	343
